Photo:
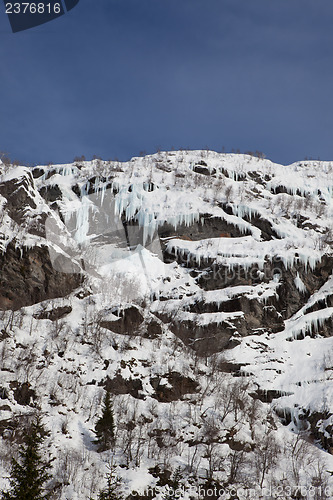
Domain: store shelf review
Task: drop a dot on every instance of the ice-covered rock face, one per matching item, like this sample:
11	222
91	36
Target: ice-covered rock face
269	212
231	254
224	220
106	245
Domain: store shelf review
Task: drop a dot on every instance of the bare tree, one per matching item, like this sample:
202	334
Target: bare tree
236	460
300	457
214	458
319	478
266	455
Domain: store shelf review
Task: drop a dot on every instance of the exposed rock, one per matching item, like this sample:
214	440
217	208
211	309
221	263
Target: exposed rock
238	445
207	227
207	339
23	394
76	190
55	314
130	320
37	172
27	277
218	276
284	415
18	195
267	231
257	314
119	385
228	367
290	298
320	429
320	304
176	387
152	330
15	428
51	193
202	168
267	396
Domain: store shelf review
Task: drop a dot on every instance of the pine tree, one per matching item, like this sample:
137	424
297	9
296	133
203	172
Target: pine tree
104	428
173	491
112	490
30	473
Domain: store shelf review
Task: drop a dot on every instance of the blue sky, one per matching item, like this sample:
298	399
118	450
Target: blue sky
116	77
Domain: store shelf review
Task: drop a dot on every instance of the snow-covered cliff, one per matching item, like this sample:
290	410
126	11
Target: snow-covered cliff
197	288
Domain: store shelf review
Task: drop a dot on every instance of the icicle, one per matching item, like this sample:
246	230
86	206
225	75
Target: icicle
299	284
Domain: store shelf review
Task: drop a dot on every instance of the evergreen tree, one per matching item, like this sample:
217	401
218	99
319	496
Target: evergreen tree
104	428
112	490
30	472
173	492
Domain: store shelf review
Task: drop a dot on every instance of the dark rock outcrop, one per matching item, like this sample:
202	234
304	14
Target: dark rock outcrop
23	394
27	276
207	227
55	314
207	339
176	387
128	323
119	385
51	193
18	193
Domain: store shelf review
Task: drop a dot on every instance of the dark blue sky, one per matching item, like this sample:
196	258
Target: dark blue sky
116	77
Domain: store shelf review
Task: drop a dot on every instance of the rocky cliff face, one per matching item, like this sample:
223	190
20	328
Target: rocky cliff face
217	263
27	275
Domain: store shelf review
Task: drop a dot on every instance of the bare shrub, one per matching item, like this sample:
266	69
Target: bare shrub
266	455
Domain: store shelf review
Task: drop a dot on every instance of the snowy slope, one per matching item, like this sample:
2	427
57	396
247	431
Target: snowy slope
186	280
